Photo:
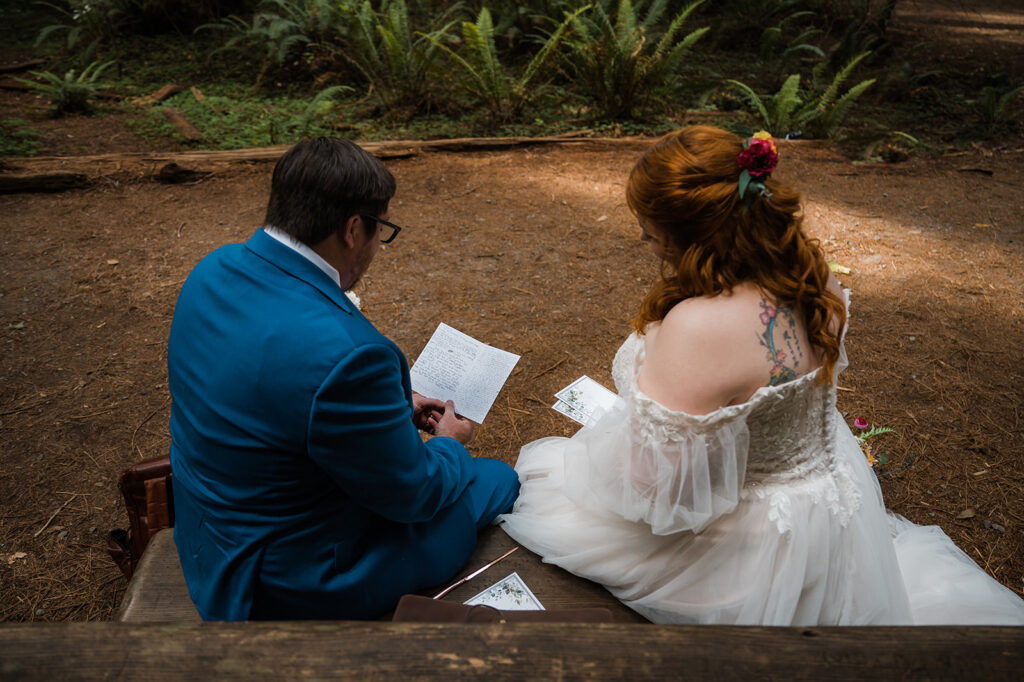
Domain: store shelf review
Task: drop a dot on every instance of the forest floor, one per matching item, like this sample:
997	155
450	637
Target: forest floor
531	250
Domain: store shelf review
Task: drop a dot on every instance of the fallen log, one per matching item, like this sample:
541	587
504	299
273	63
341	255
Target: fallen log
21	66
147	164
185	129
163	93
45	182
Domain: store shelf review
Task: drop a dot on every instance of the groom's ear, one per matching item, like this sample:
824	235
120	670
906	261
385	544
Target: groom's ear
347	232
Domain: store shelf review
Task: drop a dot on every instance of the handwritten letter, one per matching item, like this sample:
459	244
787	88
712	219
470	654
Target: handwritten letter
457	367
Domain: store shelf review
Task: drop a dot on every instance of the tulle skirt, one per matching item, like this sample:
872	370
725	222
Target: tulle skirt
784	556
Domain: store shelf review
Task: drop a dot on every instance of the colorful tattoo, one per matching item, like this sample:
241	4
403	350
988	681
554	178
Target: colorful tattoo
770	317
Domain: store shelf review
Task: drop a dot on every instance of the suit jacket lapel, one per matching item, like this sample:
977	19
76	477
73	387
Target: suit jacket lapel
296	265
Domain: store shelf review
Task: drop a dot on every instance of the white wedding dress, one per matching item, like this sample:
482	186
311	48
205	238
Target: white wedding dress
763	513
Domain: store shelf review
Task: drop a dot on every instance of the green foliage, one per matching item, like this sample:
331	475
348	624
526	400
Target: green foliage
233	121
90	26
862	26
819	113
87	24
488	80
621	63
516	22
281	29
780	45
18	139
396	62
896	147
70	94
996	107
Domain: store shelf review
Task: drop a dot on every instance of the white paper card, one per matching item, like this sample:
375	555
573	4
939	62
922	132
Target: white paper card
509	594
584	399
454	366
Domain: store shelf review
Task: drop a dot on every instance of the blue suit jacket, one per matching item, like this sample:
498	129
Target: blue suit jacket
300	481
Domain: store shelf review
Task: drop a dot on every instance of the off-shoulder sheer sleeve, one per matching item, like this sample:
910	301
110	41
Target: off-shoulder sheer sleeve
673	471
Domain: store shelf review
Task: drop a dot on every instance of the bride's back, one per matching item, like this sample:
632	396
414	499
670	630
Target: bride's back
713	351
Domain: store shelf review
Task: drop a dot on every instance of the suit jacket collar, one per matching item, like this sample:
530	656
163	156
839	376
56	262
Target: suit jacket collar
298	266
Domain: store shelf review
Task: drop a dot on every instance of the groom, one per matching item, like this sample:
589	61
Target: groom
302	488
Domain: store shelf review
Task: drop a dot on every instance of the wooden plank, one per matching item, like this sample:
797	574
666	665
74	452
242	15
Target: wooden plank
157	592
376	650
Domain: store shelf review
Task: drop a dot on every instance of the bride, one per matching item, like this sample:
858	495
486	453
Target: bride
724	487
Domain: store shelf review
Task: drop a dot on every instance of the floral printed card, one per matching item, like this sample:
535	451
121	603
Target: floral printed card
509	594
584	399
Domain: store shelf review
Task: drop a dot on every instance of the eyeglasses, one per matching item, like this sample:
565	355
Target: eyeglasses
395	229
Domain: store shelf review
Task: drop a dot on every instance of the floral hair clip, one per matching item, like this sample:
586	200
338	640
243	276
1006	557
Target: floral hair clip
758	159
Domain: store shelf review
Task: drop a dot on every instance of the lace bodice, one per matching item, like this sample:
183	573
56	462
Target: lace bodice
790	426
684	470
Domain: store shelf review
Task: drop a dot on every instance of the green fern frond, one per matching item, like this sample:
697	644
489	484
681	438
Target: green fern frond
831	120
626	32
654	14
666	40
538	60
784	102
833	89
755	101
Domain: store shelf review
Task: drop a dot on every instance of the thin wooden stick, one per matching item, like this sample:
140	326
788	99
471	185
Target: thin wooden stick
136	431
511	418
549	368
472	575
54	515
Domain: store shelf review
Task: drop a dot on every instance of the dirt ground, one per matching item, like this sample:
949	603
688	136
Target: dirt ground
531	250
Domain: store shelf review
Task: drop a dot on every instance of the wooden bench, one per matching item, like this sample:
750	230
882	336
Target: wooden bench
375	650
157	591
160	637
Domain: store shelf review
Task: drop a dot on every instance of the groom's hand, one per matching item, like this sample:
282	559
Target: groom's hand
426	412
454	426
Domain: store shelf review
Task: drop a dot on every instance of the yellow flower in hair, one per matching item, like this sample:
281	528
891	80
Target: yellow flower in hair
765	135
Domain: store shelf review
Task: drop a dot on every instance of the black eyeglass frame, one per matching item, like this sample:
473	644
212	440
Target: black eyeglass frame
394	227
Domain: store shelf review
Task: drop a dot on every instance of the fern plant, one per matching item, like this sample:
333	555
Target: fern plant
396	61
279	29
818	113
488	80
782	50
72	93
996	108
87	24
317	109
621	62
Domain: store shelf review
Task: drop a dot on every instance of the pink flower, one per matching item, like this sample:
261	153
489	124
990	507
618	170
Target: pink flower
860	423
759	158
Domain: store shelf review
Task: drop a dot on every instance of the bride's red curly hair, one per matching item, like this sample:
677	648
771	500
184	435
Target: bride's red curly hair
686	186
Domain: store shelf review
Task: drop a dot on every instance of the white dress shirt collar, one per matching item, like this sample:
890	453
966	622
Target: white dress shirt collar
304	251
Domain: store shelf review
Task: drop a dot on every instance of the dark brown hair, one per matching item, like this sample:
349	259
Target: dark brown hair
686	186
319	184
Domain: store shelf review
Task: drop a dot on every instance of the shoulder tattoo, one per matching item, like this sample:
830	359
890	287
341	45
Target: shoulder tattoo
779	318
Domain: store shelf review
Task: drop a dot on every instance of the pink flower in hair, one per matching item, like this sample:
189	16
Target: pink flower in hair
760	157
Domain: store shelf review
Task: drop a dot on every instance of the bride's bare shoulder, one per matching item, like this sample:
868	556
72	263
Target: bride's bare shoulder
701	356
717	315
